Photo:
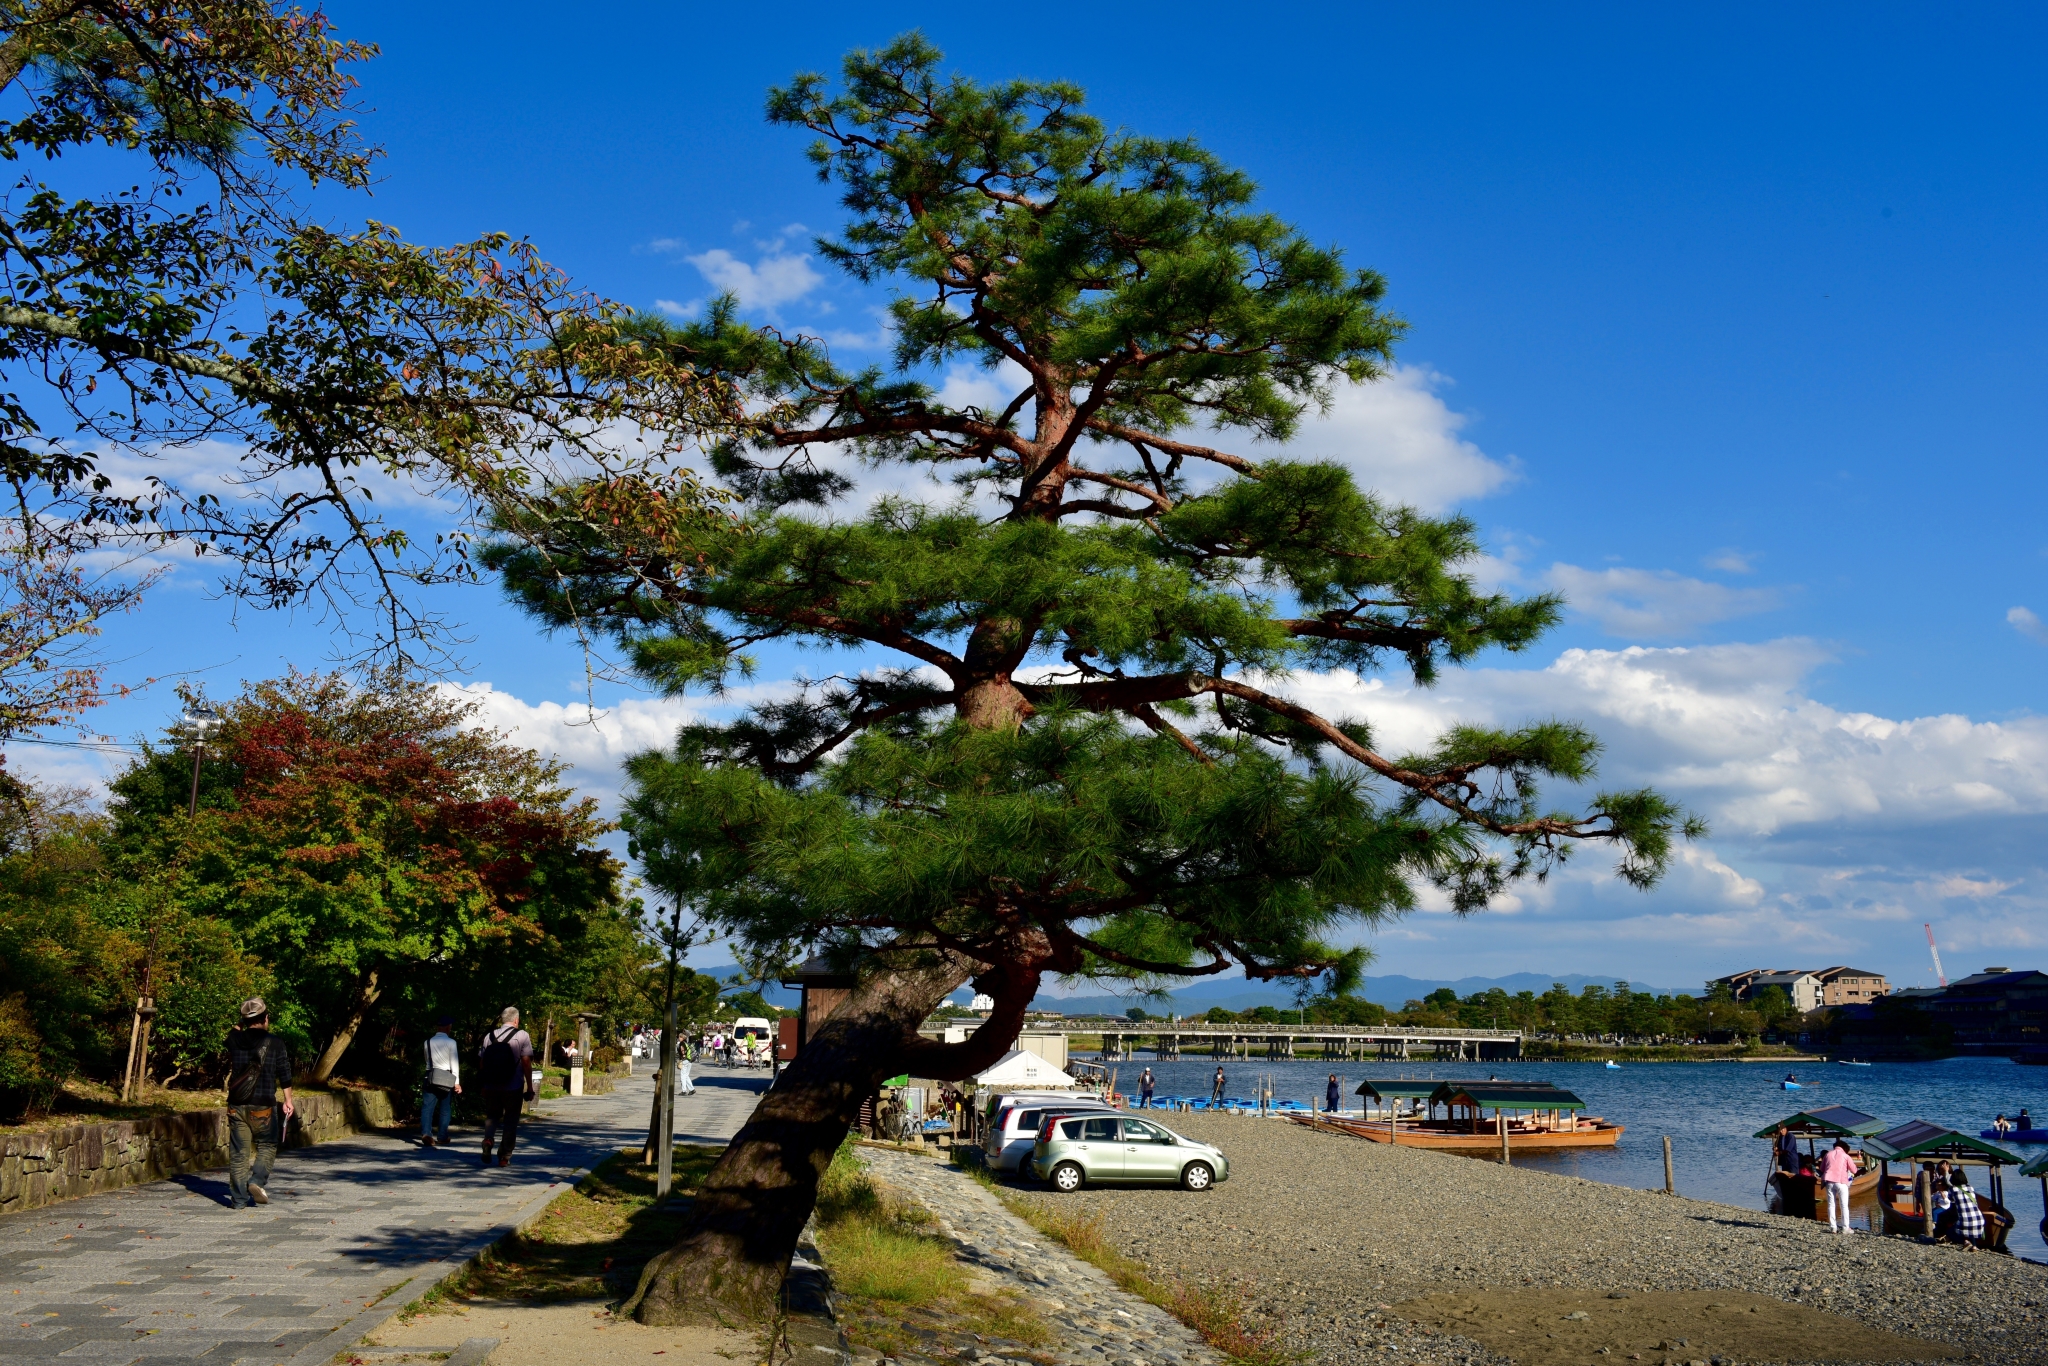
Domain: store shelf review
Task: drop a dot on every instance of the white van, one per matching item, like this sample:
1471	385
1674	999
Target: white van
756	1038
1017	1117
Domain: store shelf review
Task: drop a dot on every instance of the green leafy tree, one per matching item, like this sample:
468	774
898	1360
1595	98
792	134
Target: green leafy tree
206	302
1064	752
360	837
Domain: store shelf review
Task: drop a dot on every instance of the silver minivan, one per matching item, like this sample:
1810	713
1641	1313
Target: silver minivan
1013	1129
1073	1150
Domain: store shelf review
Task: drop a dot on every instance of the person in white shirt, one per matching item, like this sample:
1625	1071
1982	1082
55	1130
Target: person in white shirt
442	1085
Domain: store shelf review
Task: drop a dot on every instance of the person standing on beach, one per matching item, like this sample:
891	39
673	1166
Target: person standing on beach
1838	1169
1145	1085
506	1080
1216	1093
259	1066
443	1084
1334	1097
1788	1150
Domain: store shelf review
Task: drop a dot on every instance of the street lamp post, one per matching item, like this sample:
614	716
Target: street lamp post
199	722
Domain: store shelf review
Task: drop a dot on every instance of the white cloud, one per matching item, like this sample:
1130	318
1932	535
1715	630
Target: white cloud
777	278
595	747
1637	603
1731	562
2028	625
676	310
1402	441
1836	833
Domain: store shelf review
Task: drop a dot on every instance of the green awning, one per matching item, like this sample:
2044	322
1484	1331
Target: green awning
1834	1120
2038	1167
1404	1089
1917	1139
1507	1095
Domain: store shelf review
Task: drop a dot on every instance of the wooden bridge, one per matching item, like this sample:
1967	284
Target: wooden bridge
1124	1040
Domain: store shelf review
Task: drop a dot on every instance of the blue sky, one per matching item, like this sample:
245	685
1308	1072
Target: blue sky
1726	323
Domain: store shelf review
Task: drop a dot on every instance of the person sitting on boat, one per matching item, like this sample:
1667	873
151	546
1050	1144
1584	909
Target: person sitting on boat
1788	1150
2025	1121
1838	1169
2001	1126
1966	1221
1805	1166
1791	1076
1944	1201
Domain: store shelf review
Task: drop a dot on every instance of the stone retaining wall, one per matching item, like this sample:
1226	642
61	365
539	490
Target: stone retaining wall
44	1167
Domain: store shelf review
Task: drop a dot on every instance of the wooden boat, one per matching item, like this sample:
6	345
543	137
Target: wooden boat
1537	1116
1799	1194
2039	1168
1905	1213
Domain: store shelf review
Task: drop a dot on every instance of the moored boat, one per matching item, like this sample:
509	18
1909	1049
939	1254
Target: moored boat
2039	1168
1798	1193
1907	1211
1535	1115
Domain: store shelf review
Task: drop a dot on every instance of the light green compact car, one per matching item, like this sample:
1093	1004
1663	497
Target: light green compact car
1076	1150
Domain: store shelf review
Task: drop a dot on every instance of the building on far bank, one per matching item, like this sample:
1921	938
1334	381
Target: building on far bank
1840	986
1996	1011
1809	989
1803	988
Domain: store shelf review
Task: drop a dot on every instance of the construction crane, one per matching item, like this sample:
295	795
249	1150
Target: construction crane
1937	955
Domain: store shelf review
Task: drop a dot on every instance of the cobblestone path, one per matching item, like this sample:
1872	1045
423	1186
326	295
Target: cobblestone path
1099	1325
167	1273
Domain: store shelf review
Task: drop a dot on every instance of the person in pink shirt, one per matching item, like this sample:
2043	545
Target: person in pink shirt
1838	1169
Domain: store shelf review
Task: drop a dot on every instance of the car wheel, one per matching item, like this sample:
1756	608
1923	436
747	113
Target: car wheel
1196	1176
1066	1178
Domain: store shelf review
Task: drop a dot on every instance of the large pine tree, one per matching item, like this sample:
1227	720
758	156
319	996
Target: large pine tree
1066	743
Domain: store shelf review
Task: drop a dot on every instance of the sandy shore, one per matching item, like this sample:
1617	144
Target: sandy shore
1363	1252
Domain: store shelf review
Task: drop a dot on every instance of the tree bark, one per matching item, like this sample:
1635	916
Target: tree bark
752	1207
367	992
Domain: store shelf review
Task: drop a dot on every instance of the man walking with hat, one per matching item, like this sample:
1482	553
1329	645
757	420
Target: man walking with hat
259	1067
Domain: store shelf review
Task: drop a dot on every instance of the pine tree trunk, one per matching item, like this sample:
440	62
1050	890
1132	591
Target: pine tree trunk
367	992
752	1207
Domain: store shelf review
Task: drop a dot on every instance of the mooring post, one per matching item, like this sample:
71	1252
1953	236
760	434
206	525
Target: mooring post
1669	1188
1502	1116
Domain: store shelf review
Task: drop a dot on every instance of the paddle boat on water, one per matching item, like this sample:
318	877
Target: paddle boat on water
2027	1135
1613	1066
1798	1194
1908	1210
1534	1114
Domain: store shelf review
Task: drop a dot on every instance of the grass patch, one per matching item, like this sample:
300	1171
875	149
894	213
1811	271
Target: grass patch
1219	1313
590	1243
898	1282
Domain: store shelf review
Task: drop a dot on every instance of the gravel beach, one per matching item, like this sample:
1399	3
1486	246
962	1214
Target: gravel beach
1363	1252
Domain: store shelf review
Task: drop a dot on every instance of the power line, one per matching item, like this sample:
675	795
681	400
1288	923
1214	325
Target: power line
75	744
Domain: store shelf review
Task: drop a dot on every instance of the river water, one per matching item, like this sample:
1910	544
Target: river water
1710	1110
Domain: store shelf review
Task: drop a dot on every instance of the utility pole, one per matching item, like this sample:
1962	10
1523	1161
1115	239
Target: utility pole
198	724
665	1092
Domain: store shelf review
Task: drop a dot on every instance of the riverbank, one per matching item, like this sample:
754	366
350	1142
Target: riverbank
1544	1050
1332	1235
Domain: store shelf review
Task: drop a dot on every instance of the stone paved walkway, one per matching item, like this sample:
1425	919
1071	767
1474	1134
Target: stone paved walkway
167	1274
1099	1324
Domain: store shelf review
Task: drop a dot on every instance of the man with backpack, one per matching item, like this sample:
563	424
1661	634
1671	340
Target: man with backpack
506	1079
259	1066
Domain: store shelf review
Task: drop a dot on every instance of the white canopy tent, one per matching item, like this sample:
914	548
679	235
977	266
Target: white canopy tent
1019	1069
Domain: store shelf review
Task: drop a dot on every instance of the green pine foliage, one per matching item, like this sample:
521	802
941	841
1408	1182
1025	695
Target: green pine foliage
1064	742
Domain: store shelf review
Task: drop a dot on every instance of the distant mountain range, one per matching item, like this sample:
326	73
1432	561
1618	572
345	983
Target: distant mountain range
1236	993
